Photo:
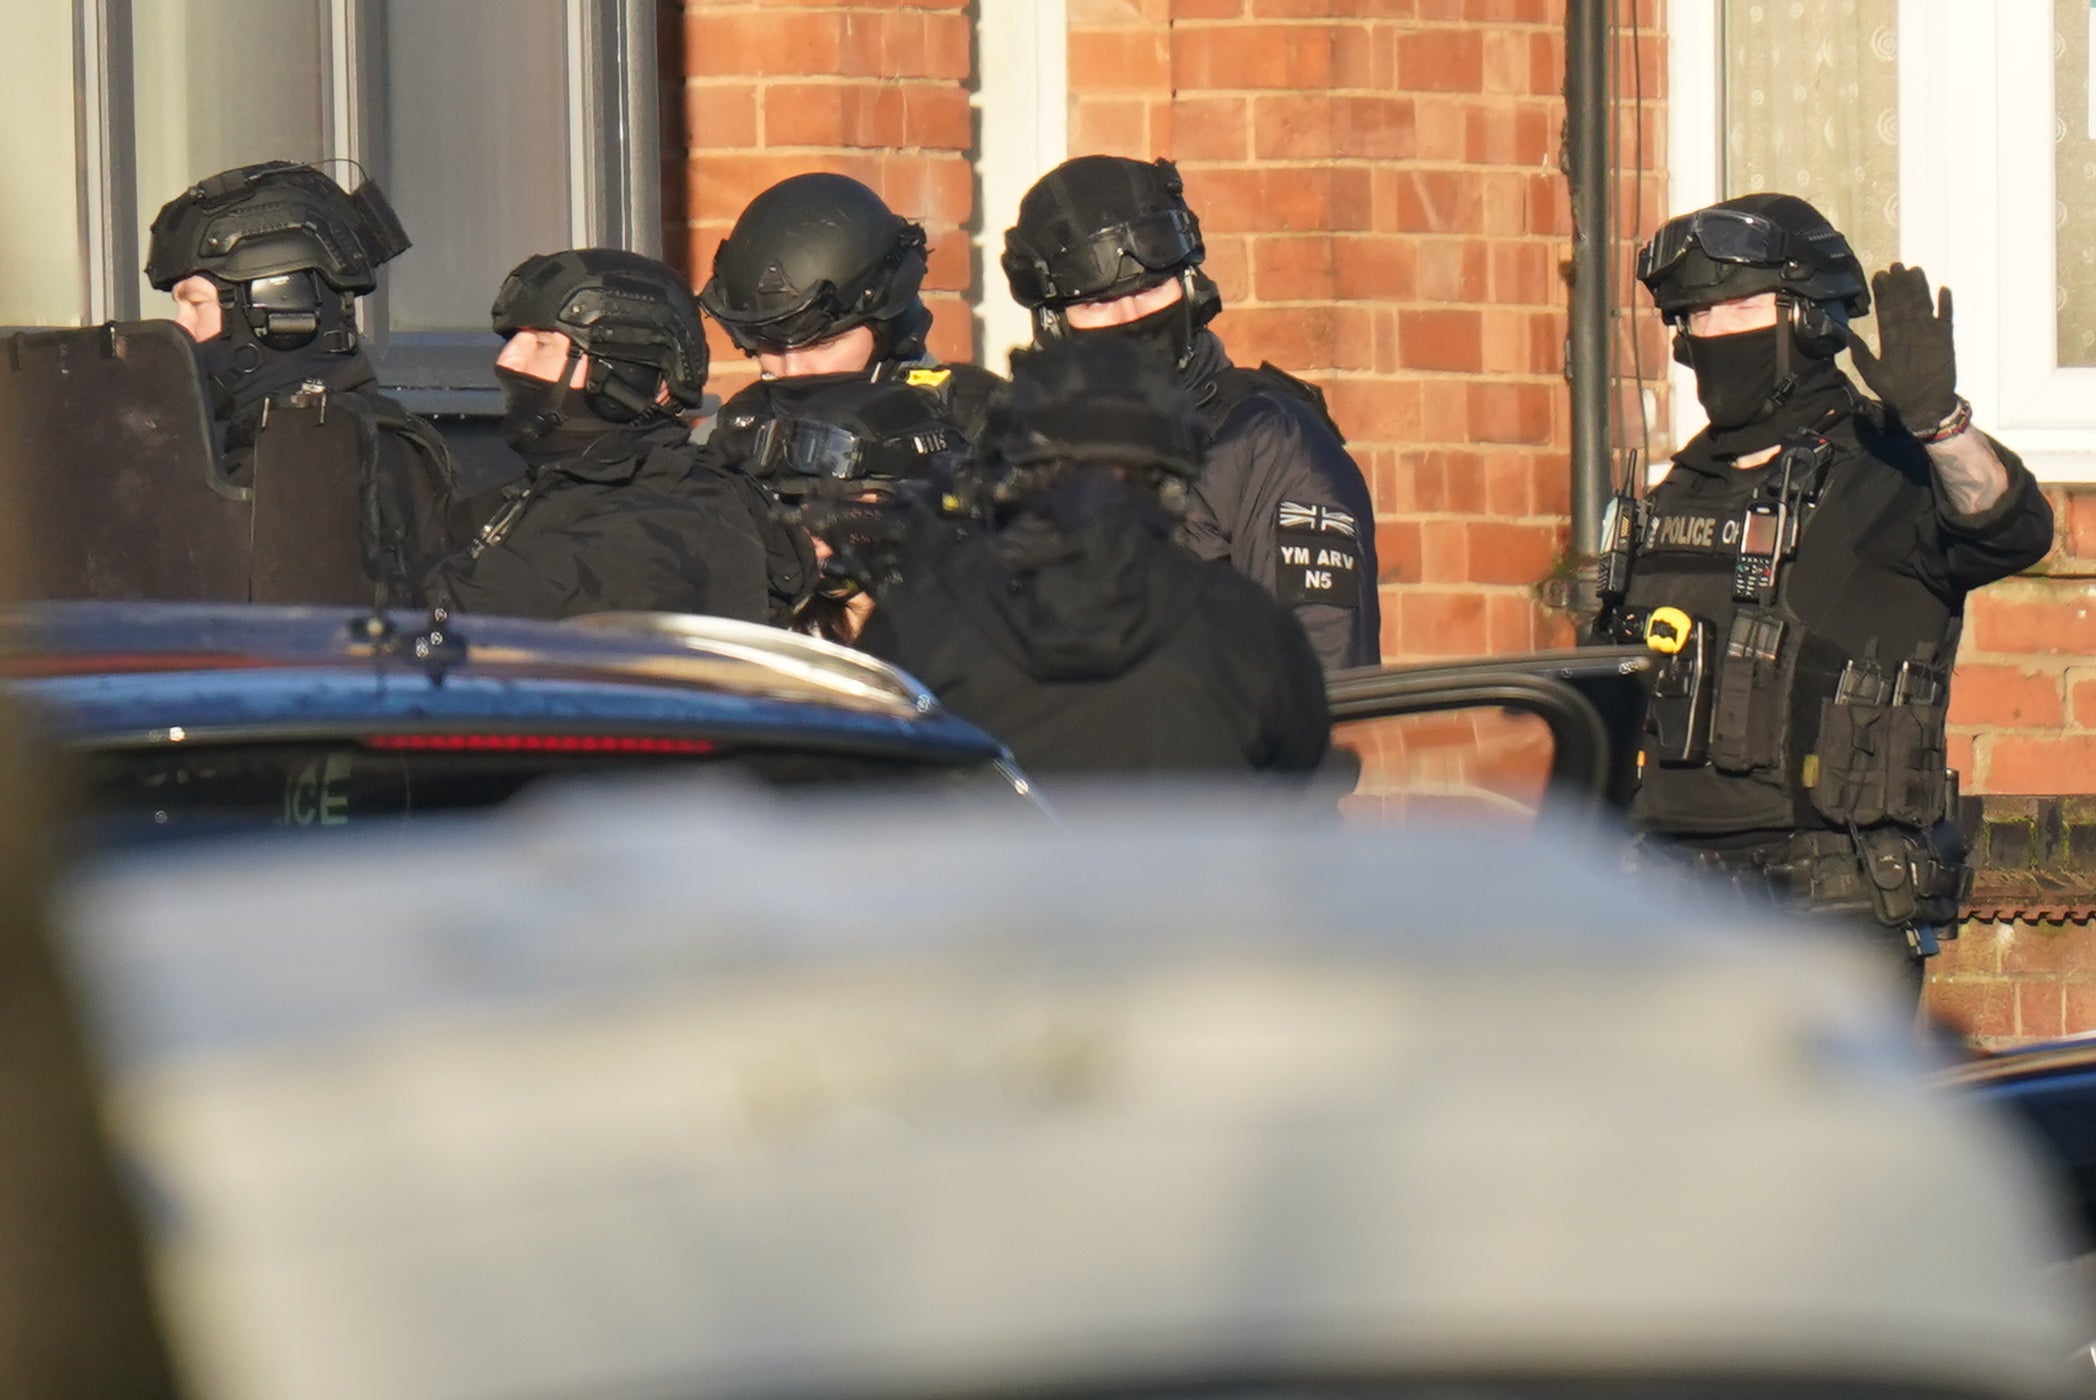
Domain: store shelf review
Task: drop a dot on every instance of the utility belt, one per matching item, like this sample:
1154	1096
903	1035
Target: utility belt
1911	881
1881	753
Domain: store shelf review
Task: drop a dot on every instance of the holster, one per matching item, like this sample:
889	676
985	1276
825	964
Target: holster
1678	716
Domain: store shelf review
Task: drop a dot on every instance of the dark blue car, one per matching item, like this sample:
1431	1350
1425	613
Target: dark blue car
187	719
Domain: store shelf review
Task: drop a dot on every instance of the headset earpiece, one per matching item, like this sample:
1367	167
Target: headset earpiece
1819	333
284	311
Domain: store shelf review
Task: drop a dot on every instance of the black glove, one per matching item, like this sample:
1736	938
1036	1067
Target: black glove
1915	372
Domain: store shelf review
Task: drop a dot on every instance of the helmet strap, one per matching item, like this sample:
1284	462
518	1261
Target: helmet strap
1786	361
1190	318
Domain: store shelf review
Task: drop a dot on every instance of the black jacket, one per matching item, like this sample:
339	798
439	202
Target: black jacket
1090	643
1281	500
642	521
1881	572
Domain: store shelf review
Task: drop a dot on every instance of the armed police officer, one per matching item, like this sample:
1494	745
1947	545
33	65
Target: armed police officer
1069	623
617	510
1804	568
819	282
265	264
1107	248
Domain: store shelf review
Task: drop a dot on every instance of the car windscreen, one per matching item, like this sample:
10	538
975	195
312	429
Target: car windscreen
161	792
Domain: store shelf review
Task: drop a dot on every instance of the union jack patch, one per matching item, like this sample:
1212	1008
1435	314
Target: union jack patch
1295	516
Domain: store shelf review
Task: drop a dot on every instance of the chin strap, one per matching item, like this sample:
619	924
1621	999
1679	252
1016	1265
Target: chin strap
1189	318
1786	371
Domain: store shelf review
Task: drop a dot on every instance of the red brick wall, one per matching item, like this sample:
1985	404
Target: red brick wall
874	89
2023	712
2011	983
2023	706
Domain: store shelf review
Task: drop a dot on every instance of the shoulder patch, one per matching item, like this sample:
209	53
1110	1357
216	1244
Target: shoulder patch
927	378
1316	558
1322	519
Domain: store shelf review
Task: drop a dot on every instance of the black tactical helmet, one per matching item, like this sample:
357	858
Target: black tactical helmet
853	435
1101	402
270	220
812	257
633	316
1100	227
1755	243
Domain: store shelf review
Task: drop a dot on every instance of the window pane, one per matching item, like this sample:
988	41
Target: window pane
221	83
45	283
2074	175
1481	764
476	150
1812	109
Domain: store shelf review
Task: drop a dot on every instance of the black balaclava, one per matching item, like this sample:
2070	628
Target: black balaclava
1735	374
1166	335
551	420
546	421
791	391
1737	378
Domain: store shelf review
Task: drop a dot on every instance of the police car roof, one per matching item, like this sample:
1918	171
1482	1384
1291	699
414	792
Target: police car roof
119	672
669	1095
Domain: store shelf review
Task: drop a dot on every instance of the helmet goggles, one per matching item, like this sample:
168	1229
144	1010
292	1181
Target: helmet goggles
1734	236
1156	242
824	313
799	453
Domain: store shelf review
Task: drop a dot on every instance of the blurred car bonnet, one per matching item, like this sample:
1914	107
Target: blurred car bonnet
650	1096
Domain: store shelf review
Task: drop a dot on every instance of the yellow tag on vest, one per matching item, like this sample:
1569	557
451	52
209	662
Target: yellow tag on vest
927	378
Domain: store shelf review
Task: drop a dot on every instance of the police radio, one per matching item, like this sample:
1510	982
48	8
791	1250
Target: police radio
1762	528
1621	527
1769	529
1622	531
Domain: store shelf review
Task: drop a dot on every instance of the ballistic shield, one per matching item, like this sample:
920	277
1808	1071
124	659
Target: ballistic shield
316	503
126	496
115	468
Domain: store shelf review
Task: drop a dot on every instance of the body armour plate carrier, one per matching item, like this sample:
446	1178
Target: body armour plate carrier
1731	690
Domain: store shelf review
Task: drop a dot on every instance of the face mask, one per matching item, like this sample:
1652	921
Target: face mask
229	363
532	410
1735	374
1163	334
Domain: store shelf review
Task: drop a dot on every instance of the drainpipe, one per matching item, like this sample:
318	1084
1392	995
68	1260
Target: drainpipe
1588	34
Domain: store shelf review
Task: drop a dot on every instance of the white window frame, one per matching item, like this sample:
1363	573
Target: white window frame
1695	158
1022	99
615	197
1976	183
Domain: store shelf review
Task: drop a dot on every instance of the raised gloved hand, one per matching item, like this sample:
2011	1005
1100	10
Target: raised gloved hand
1915	372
